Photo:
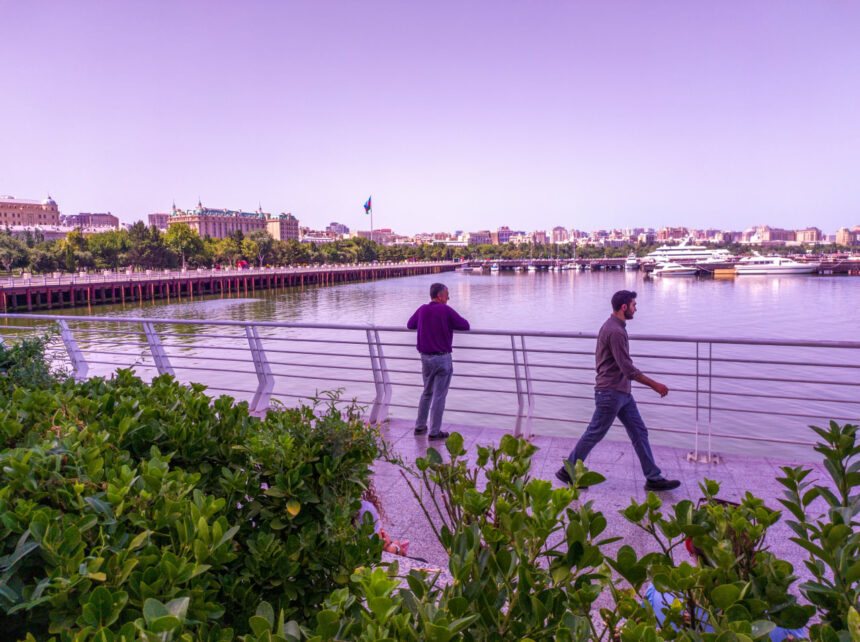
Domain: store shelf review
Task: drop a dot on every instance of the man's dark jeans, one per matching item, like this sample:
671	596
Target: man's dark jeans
609	404
436	369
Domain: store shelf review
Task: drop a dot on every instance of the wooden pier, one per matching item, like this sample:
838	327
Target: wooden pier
68	291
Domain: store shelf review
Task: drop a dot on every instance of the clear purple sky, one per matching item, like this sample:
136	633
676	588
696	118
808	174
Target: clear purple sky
453	115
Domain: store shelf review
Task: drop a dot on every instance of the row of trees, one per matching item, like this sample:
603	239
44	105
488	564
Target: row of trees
145	247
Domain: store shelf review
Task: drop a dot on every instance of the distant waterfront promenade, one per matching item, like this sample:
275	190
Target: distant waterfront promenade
66	290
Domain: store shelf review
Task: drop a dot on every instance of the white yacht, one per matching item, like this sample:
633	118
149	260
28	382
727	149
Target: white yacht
758	264
632	263
668	268
688	253
494	268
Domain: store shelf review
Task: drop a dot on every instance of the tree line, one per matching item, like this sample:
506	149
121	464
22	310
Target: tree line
144	247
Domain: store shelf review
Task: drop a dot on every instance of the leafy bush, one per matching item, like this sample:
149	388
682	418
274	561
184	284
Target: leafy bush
23	363
831	536
130	508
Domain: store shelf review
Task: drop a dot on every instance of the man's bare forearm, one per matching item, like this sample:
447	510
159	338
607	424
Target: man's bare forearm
656	386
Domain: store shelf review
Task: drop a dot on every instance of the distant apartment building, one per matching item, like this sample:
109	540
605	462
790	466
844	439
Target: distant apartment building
336	229
559	235
159	220
775	235
481	237
645	238
727	236
540	237
672	233
283	227
503	235
86	219
809	235
19	211
218	223
851	237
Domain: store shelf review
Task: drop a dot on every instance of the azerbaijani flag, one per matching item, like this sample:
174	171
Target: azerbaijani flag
367	206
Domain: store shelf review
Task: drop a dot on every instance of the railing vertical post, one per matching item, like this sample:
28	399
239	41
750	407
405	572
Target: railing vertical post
518	428
529	395
711	457
377	376
266	381
76	358
159	356
386	380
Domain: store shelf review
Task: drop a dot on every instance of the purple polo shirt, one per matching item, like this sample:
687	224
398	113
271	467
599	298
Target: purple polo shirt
436	323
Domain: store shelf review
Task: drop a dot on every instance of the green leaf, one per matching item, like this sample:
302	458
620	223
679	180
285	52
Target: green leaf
153	609
259	625
454	444
761	628
725	595
265	610
164	624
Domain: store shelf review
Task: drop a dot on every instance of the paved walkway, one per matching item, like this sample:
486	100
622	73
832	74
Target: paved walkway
403	518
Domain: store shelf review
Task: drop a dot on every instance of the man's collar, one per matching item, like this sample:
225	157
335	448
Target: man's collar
623	324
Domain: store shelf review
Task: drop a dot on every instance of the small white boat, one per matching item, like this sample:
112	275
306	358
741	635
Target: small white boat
668	268
758	264
532	267
519	268
632	263
494	268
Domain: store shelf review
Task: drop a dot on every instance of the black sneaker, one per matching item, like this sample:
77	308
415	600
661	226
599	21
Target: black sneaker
420	430
662	484
438	436
562	476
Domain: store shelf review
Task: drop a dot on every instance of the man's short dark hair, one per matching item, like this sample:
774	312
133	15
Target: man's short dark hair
621	297
436	288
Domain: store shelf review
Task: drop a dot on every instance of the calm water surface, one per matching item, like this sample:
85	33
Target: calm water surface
762	307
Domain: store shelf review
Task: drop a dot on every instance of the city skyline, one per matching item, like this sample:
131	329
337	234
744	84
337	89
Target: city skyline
452	116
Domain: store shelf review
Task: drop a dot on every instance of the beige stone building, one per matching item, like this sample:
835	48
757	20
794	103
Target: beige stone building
809	235
19	211
283	227
219	223
848	237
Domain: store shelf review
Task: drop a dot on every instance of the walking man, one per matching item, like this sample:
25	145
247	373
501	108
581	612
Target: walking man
612	397
435	322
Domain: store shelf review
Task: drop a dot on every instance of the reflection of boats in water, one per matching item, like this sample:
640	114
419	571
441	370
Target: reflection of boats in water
773	265
632	263
668	268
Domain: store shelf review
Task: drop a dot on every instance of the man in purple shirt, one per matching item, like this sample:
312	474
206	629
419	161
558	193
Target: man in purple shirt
435	322
612	396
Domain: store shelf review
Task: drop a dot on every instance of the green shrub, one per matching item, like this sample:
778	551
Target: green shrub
829	531
129	507
23	363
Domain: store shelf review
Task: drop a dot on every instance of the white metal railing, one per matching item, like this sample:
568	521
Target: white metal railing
742	390
124	276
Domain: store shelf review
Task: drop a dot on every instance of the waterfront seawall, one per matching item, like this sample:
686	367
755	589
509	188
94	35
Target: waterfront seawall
69	291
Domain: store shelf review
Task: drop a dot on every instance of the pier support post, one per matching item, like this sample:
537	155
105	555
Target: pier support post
266	381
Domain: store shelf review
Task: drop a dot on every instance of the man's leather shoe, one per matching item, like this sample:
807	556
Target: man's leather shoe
562	476
662	484
420	430
438	436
